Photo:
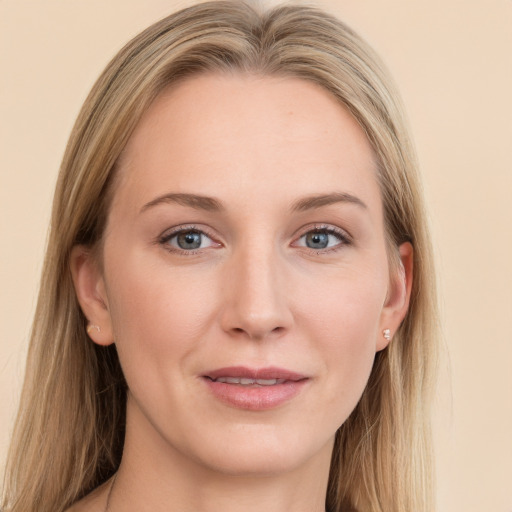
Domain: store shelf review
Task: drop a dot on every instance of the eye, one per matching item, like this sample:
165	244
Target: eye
187	240
322	238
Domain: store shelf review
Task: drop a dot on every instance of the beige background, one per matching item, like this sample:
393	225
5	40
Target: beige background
453	62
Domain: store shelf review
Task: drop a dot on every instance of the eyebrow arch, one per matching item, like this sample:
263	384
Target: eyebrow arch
191	200
317	201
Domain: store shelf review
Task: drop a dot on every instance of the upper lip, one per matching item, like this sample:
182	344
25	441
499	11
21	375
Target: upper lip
271	372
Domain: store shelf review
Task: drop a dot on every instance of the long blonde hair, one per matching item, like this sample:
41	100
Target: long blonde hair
70	427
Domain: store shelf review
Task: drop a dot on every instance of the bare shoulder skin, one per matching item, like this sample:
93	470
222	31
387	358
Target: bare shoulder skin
93	502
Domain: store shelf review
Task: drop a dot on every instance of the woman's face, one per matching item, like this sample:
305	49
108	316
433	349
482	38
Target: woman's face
245	278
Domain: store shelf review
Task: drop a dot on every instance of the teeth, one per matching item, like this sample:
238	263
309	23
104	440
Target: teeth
266	382
249	382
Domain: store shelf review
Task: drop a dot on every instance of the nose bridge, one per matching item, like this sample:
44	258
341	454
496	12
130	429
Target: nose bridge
256	298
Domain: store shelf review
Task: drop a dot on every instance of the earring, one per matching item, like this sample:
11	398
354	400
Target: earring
387	334
90	327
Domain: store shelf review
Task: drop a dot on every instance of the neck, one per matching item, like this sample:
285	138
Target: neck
154	476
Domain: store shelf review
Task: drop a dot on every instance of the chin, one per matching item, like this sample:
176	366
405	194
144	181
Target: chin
257	453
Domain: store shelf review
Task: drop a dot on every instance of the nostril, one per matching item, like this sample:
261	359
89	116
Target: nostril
258	333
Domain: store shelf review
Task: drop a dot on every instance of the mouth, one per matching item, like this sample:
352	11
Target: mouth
249	382
254	389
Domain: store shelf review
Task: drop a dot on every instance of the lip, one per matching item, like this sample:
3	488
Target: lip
255	397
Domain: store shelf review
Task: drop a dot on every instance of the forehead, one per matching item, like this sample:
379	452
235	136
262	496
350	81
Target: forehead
216	133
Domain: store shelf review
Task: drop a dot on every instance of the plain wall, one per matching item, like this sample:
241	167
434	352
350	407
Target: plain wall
452	60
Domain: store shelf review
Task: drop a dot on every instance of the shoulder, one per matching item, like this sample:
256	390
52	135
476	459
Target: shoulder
93	502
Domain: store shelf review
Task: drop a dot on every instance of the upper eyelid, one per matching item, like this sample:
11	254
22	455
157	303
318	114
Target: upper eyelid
304	230
323	227
169	233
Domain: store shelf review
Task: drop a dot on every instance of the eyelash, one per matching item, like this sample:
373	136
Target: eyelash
342	236
164	239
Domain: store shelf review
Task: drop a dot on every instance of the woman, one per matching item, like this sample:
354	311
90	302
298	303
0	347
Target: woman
237	306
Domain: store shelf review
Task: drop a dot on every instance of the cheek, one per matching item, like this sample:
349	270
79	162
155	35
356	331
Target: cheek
344	305
159	314
342	320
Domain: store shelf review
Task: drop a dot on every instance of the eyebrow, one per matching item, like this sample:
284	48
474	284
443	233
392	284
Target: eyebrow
214	205
317	201
191	200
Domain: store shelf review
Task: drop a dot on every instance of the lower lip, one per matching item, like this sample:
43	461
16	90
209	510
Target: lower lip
255	398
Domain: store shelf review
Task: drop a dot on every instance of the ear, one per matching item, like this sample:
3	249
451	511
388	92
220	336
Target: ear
91	293
398	297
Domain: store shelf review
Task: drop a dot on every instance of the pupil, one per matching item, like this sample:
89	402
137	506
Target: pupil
317	240
189	240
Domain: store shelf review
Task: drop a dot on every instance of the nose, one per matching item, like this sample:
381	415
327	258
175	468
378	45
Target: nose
256	304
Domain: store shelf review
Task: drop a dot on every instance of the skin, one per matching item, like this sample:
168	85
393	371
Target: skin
256	293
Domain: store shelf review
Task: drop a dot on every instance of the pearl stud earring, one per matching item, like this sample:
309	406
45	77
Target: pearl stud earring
90	327
387	334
